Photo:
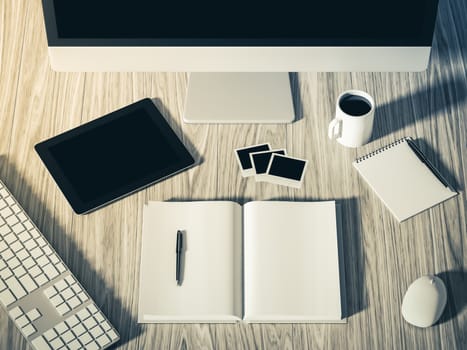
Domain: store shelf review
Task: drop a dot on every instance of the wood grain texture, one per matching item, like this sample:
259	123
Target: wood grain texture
382	257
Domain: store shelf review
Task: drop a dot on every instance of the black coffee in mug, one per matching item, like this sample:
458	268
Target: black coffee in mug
354	105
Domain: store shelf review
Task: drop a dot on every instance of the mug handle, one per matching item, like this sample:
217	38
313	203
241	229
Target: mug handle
334	130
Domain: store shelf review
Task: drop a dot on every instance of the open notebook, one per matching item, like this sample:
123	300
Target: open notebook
404	179
266	262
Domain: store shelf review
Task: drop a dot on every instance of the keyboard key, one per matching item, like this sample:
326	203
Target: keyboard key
7	254
29	226
28	263
99	318
7	298
22	217
13	262
4	230
83	314
16	312
2	285
67	293
19	271
90	323
74	345
42	261
61	328
56	300
35	233
47	250
16	246
55	260
14	207
42	279
10	238
72	321
30	244
6	273
28	283
35	270
18	228
70	280
5	212
85	338
78	329
50	335
96	332
74	302
60	267
50	271
63	309
12	220
22	254
60	285
40	344
83	297
67	337
24	236
36	252
33	314
41	242
103	340
50	292
92	346
15	287
57	343
22	321
28	330
92	309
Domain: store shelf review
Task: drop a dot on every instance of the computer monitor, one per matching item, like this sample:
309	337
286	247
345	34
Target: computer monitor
239	36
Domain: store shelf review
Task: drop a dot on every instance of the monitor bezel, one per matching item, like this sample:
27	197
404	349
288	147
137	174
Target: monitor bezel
424	40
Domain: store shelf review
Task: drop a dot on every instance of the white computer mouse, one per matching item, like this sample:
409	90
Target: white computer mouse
424	301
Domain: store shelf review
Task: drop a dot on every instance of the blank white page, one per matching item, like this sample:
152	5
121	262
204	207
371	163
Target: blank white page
211	289
291	262
401	180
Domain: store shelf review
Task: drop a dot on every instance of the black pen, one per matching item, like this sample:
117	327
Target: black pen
179	250
430	166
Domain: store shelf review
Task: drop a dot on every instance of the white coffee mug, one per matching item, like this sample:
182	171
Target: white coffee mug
353	123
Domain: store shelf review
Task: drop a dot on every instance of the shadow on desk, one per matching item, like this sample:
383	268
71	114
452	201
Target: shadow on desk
456	285
408	109
177	128
113	308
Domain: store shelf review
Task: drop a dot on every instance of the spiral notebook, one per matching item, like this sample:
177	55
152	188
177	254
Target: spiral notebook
404	179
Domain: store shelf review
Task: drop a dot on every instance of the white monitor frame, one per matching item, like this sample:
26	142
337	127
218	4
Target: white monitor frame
238	59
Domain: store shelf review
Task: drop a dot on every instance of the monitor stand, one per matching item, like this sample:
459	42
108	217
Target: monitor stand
239	98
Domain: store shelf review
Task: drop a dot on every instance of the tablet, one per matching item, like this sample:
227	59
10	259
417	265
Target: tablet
113	156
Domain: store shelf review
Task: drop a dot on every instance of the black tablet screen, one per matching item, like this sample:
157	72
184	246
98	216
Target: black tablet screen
113	155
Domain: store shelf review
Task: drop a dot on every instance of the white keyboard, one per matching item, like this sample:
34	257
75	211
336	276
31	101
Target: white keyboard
40	294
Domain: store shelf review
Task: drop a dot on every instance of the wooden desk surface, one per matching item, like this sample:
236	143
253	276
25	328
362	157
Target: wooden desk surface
382	257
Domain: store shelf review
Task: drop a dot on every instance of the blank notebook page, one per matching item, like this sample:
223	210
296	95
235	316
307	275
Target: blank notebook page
291	262
401	180
211	288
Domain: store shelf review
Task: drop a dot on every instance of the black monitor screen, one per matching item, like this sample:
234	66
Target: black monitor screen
236	22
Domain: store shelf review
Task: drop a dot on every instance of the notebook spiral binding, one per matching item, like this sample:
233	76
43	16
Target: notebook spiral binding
380	150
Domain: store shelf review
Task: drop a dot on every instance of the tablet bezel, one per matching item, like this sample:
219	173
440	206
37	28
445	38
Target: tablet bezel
70	193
